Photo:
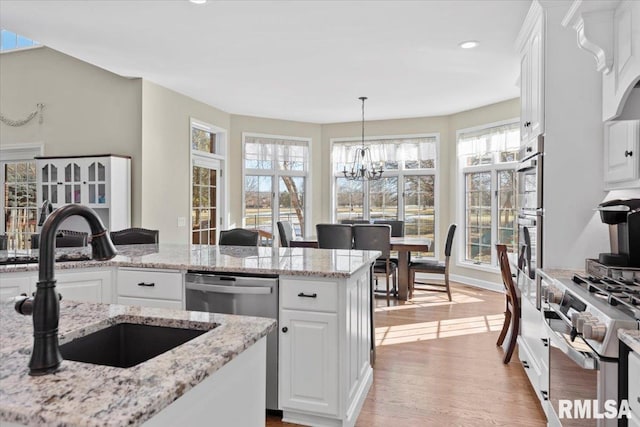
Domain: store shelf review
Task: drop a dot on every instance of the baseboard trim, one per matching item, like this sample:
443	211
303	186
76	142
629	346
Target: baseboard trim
483	284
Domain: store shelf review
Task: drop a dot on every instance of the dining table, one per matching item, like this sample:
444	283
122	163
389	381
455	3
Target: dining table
403	245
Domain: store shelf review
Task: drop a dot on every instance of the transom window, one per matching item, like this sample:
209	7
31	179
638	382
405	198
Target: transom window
407	190
10	41
275	179
487	160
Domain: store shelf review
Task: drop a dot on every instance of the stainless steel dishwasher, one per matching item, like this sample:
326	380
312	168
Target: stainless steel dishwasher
244	295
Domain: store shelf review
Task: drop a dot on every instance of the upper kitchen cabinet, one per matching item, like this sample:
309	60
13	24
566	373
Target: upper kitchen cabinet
621	155
610	31
531	46
102	183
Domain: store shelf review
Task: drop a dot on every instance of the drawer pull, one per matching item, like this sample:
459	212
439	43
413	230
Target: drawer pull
148	285
525	364
545	394
545	342
303	295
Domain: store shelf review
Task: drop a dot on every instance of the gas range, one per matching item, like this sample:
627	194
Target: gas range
595	308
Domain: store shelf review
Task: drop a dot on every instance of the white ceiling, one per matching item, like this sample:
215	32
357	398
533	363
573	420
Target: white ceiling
296	60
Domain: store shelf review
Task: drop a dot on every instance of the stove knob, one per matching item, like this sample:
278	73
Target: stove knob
581	320
594	331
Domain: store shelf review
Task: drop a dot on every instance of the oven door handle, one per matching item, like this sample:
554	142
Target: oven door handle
585	360
526	165
220	289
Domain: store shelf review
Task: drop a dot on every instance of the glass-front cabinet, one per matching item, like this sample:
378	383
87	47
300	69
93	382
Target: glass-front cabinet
99	182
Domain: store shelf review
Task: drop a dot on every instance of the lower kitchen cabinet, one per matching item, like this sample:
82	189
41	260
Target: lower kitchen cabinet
150	287
634	389
90	285
324	349
310	378
533	350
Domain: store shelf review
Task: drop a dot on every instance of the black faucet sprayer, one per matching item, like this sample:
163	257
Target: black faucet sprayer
45	306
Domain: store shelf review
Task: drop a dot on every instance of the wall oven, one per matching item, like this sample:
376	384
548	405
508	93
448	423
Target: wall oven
530	218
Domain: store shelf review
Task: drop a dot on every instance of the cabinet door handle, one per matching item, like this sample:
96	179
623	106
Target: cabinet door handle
313	295
545	394
148	285
527	124
285	329
628	153
525	364
545	342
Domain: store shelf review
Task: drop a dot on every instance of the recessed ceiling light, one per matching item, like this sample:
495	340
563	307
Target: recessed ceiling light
198	1
469	44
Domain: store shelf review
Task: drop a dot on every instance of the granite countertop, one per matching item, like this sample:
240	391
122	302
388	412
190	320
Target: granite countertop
82	394
559	273
630	337
236	259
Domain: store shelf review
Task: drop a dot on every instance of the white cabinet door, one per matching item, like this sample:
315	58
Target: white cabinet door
634	382
531	83
308	361
621	156
85	285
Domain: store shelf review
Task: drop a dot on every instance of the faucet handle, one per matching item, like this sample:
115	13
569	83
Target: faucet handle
24	304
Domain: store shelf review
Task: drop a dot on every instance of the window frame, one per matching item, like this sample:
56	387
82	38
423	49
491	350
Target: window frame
273	172
400	173
461	172
217	160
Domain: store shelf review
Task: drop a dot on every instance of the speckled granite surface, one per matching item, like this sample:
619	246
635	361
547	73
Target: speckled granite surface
258	260
631	338
81	394
557	273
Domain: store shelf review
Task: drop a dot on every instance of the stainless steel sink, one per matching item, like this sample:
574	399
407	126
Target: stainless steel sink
124	345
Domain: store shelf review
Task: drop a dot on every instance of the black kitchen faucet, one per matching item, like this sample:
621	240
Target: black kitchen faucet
45	305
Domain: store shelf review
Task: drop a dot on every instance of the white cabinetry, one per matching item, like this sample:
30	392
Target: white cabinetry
533	350
621	154
88	285
532	80
325	345
102	183
150	288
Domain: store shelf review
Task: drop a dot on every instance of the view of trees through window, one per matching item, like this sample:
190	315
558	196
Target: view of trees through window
406	191
487	159
20	203
275	174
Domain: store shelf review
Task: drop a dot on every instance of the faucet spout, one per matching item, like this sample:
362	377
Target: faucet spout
45	357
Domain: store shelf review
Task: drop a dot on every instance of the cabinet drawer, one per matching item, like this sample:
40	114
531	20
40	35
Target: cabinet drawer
150	284
634	382
309	295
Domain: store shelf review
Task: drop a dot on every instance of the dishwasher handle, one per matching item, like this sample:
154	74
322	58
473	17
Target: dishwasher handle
221	289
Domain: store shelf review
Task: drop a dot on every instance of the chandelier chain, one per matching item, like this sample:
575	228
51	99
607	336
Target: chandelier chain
21	122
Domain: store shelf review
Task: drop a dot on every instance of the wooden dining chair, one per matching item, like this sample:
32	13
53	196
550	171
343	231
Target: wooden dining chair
239	237
512	310
355	221
377	237
334	236
134	236
285	231
433	267
397	226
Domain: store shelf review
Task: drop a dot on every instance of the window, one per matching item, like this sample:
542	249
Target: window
207	149
407	190
275	179
487	160
19	198
10	41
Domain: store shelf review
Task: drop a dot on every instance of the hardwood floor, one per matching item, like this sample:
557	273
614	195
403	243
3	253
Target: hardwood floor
438	364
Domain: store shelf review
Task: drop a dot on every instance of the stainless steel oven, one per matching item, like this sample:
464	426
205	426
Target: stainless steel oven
530	218
578	375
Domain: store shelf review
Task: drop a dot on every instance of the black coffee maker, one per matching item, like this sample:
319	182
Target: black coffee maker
623	217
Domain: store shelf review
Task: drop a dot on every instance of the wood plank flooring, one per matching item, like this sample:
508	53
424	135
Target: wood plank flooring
438	364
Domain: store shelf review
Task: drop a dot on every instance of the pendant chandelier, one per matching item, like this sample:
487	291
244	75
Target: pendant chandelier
362	167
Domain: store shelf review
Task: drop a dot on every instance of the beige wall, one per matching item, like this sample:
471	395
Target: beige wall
87	110
166	160
92	111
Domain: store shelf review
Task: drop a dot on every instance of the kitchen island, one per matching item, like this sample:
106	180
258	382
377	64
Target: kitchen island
82	394
325	311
